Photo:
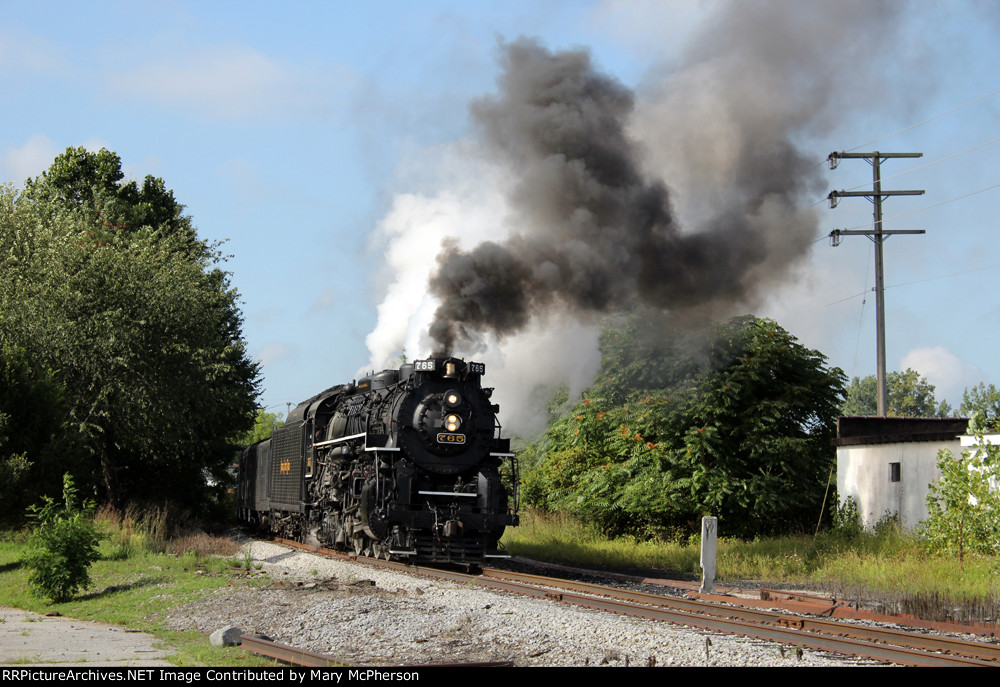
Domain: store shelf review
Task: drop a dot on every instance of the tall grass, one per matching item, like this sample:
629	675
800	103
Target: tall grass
157	529
887	568
561	539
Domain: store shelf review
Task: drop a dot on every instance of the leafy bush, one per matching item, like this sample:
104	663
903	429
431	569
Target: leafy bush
62	546
847	519
964	505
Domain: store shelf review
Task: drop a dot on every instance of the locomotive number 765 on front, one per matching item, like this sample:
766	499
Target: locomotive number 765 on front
404	463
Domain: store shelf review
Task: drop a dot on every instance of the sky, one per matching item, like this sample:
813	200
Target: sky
334	146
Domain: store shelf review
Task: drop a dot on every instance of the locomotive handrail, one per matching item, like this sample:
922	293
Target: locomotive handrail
330	442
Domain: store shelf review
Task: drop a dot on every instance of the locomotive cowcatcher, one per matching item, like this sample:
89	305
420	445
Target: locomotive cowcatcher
405	463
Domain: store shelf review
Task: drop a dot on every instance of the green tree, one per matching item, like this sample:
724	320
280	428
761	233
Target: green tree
138	322
94	184
735	422
264	426
910	395
982	402
964	505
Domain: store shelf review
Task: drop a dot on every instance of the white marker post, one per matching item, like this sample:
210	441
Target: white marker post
709	531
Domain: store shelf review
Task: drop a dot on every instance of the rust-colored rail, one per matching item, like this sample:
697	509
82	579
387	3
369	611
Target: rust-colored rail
289	654
894	646
897	644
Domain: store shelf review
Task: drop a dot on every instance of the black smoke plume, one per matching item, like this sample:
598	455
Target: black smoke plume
597	234
594	232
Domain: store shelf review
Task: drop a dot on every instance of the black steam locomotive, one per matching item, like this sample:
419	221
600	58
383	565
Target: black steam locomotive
405	463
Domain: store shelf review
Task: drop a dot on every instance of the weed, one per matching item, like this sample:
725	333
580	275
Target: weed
29	659
62	547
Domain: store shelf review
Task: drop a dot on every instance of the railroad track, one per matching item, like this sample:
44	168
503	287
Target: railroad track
896	646
822	634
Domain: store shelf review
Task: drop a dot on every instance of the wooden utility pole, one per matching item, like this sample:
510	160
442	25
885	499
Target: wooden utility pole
877	235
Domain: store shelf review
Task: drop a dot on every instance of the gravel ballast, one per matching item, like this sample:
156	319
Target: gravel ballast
368	616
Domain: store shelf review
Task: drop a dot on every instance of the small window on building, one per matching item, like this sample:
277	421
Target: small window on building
894	472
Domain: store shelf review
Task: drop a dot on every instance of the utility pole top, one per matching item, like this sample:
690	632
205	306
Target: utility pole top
835	158
878	236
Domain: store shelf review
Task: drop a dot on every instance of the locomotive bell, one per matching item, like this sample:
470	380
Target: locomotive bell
453	528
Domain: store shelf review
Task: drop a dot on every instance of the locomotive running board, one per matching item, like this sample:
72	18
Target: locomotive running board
446	493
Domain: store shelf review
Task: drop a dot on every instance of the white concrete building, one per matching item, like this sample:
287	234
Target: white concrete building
886	463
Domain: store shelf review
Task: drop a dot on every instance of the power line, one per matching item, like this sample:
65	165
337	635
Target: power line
909	283
930	207
927	164
861	317
944	276
931	119
914	126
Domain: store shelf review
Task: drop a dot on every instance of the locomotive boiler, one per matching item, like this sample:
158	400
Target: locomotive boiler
403	463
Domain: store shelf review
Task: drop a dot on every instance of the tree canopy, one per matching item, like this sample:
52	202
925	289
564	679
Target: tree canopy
982	403
910	395
264	425
94	185
107	287
735	422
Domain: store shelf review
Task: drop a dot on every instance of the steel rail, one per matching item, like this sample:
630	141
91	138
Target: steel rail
289	654
820	626
719	623
834	636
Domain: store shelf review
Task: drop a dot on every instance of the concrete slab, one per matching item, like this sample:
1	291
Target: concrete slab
28	638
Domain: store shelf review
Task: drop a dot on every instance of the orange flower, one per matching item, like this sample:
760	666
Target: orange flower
586	401
650	445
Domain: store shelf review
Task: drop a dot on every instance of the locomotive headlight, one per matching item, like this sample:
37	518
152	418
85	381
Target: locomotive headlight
452	399
452	422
